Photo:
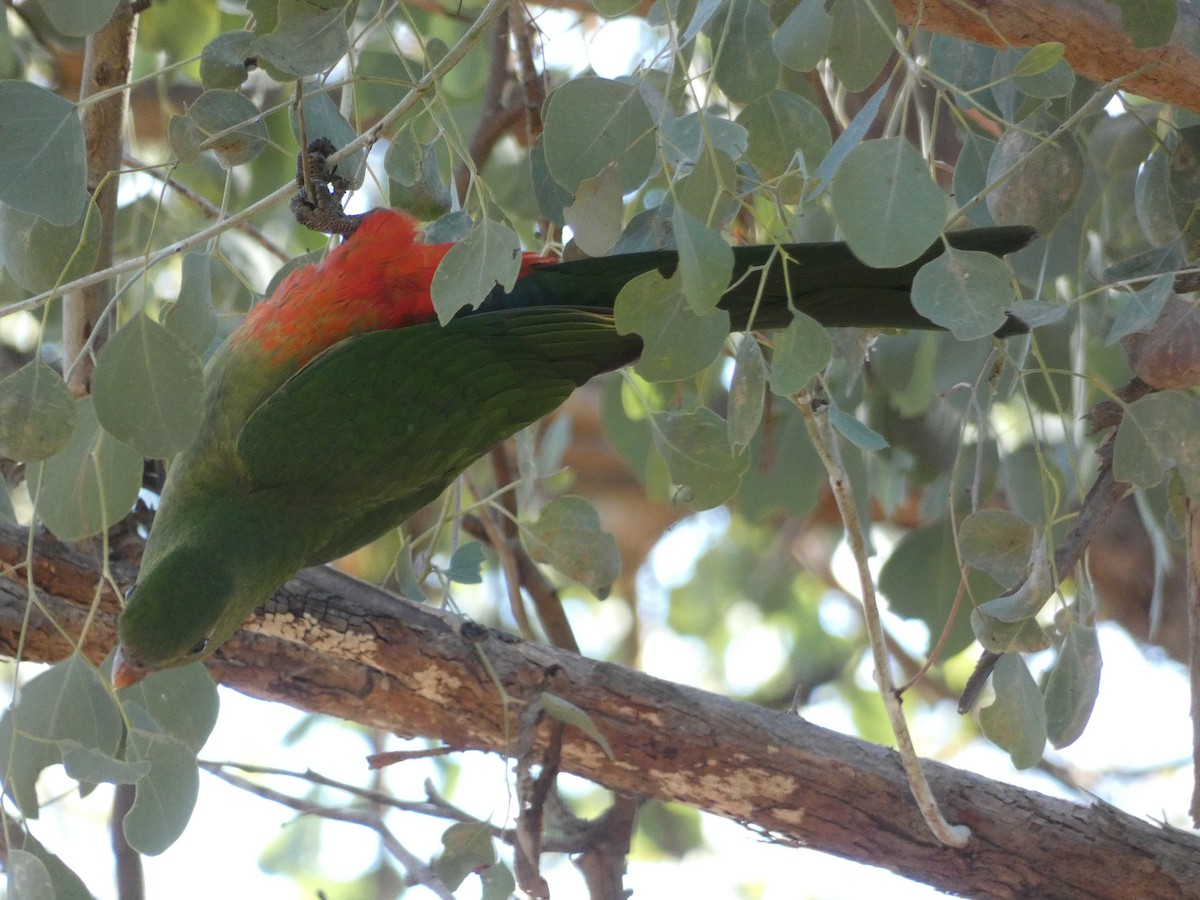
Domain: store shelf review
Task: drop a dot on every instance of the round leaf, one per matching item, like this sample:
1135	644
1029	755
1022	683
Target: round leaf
149	388
592	122
966	291
231	125
886	203
88	486
37	413
42	169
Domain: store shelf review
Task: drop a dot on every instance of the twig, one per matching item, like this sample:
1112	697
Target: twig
824	440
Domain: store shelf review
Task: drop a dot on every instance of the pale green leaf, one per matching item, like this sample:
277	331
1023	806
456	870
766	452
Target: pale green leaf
42	169
1073	685
740	36
861	34
1157	433
780	125
304	38
165	797
997	541
191	318
37	413
148	389
592	122
466	564
965	291
886	204
67	705
677	342
231	126
570	714
695	447
567	535
39	255
1038	192
801	351
1038	59
467	847
89	485
490	255
1140	309
747	393
856	432
800	41
223	60
705	262
1149	23
1015	722
595	217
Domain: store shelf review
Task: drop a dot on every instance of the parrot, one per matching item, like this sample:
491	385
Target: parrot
340	405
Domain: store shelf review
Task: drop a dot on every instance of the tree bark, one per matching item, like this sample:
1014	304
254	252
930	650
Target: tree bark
1097	46
329	644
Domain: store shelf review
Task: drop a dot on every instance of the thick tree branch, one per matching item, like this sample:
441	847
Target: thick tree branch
1097	46
327	643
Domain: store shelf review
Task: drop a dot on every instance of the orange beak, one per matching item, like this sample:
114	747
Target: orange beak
126	672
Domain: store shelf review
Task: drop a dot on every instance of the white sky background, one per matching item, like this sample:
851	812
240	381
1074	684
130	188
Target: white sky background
1140	722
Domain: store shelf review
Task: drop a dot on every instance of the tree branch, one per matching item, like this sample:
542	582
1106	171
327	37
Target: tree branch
1097	45
329	644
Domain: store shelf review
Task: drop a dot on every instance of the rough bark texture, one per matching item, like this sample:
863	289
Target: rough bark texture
329	644
1097	46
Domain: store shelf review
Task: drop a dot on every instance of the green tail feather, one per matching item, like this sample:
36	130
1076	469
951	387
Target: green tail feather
826	281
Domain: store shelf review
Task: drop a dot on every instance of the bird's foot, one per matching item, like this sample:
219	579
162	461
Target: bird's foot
318	206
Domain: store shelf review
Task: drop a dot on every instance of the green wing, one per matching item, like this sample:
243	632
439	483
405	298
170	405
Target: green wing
379	424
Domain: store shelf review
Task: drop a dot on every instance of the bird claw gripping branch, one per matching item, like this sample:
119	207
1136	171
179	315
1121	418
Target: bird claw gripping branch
318	205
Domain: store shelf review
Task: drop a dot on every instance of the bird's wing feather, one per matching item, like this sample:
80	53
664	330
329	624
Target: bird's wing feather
384	415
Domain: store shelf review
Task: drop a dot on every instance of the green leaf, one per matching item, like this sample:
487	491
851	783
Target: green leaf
570	714
800	41
1073	686
1038	59
965	291
677	342
854	431
42	169
39	255
707	190
1152	200
1149	23
467	847
886	203
1158	433
592	122
742	69
229	125
860	41
999	542
705	262
490	255
696	450
323	119
1041	191
416	178
747	394
191	318
848	140
567	535
37	413
686	138
596	214
1183	170
1024	636
28	878
303	38
780	125
1140	309
65	884
223	60
89	485
68	705
164	799
148	389
1015	722
182	701
466	564
801	351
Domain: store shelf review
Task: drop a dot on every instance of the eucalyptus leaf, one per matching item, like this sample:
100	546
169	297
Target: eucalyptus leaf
1015	722
37	413
490	255
567	535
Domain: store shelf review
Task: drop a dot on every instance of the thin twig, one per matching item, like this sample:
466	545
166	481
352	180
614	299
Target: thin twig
825	441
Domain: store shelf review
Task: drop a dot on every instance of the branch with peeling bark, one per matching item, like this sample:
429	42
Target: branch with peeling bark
329	644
